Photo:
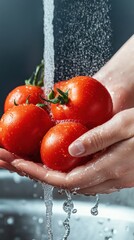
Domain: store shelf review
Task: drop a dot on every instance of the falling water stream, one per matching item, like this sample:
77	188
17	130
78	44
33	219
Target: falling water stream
84	56
48	199
48	45
67	207
94	209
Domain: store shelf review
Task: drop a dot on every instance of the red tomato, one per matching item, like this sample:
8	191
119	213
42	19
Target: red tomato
31	91
22	129
88	101
0	135
54	146
21	93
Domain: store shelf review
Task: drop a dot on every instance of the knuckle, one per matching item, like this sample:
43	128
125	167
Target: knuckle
97	141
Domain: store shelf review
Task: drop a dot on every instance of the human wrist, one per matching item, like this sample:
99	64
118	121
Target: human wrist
117	76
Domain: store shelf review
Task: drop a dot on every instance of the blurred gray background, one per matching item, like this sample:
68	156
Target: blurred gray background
21	37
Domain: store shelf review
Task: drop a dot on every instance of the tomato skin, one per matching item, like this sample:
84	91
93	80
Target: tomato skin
54	146
0	135
89	102
21	93
22	129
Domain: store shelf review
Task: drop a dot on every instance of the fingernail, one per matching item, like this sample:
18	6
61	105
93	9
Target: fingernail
77	148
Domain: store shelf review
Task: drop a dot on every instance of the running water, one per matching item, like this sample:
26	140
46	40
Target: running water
77	41
48	199
48	57
67	207
48	45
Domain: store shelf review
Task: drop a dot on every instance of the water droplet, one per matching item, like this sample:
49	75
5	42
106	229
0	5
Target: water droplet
68	205
74	211
40	220
94	210
10	220
35	185
16	178
35	195
61	191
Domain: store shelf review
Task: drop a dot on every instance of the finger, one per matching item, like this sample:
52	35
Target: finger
6	156
28	168
101	137
114	163
7	166
5	161
10	168
39	172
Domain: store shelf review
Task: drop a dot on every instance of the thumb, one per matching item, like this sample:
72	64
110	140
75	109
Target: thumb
119	128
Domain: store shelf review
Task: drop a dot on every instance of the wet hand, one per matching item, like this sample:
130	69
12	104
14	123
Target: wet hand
111	167
29	168
117	75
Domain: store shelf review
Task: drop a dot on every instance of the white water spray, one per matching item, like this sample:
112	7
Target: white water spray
48	45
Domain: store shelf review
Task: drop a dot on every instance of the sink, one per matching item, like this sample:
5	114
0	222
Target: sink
23	213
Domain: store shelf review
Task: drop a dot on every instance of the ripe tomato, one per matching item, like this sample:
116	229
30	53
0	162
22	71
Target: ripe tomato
21	93
85	100
54	146
22	129
31	91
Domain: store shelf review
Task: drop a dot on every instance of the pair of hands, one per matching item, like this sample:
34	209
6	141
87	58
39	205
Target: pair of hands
112	143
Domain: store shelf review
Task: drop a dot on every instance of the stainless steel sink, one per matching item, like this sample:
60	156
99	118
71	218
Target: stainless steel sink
22	213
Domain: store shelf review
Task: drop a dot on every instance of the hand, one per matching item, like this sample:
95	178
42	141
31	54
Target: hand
118	77
109	164
6	159
27	167
110	169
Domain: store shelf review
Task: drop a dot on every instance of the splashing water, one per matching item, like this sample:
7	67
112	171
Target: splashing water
94	210
67	207
82	34
77	38
48	199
